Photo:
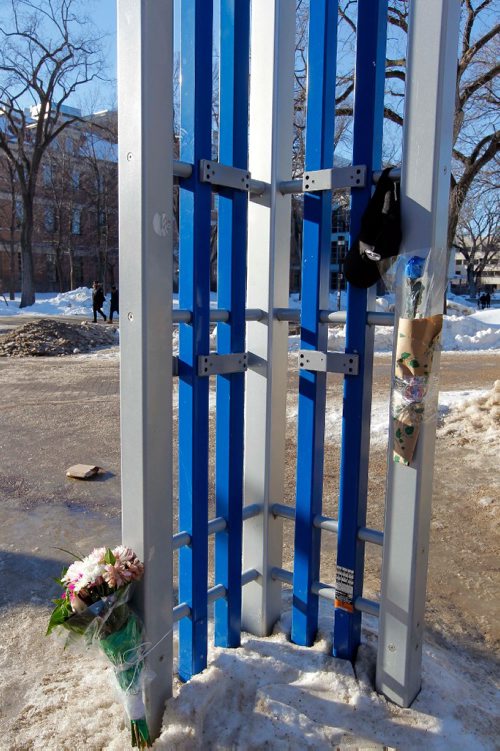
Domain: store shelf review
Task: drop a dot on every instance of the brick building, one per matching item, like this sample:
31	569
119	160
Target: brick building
75	236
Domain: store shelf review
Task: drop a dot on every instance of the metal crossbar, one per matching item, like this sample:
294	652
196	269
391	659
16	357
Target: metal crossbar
292	315
217	592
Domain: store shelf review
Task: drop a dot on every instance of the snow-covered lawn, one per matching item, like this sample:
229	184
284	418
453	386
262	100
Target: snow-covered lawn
464	329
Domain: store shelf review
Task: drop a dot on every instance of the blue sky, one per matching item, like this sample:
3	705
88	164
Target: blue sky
103	13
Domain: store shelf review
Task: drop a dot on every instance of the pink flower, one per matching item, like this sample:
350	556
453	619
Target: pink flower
116	575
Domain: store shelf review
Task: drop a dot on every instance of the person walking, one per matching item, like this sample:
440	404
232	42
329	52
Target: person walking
97	300
113	305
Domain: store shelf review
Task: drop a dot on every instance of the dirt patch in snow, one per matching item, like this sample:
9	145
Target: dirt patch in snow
46	337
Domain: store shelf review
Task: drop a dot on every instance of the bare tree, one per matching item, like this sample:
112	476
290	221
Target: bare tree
47	53
62	184
9	222
478	236
476	138
100	157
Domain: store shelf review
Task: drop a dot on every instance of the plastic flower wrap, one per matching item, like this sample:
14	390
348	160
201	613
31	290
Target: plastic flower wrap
417	338
94	606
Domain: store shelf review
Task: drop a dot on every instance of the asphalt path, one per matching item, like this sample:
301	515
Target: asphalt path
55	412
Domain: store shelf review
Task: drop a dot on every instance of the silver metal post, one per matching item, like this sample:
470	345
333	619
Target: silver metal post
430	101
270	149
145	189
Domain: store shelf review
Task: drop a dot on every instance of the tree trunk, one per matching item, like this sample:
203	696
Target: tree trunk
12	236
471	281
59	268
71	266
12	268
28	281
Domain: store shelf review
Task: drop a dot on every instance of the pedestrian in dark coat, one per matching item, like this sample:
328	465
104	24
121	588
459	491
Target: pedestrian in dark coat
113	305
97	300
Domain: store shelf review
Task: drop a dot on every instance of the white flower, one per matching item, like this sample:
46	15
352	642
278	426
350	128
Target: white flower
87	572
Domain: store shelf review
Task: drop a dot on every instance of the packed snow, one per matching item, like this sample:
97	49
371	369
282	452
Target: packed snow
267	694
471	416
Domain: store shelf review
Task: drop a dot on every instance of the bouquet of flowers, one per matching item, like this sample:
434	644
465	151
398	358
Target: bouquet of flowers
94	606
417	339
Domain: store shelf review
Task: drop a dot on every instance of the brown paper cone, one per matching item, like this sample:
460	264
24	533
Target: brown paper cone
415	345
406	426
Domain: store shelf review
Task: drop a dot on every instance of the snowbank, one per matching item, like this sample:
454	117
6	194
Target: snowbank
267	694
471	416
271	693
465	329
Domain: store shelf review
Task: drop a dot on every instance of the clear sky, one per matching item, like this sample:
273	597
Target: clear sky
103	14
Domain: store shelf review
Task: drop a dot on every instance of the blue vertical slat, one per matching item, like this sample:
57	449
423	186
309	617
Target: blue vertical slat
367	149
194	295
322	54
231	284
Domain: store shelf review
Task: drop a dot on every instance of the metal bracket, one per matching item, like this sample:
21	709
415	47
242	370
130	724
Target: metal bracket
330	179
224	176
222	364
329	362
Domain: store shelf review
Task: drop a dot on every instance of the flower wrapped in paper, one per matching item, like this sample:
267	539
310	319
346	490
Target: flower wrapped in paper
417	338
95	606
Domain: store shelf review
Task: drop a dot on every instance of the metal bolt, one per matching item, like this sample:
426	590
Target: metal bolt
130	316
129	156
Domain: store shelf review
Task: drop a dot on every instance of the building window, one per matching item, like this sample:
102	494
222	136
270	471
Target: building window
75	179
76	222
51	269
102	218
19	213
50	219
340	220
69	145
47	175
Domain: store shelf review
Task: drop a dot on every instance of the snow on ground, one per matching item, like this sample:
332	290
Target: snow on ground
465	414
465	328
273	694
469	416
267	694
78	302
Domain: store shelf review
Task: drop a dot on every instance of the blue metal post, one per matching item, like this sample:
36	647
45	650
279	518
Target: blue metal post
367	149
231	286
316	254
194	295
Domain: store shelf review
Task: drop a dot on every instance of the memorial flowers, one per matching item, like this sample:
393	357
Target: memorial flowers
94	606
418	335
